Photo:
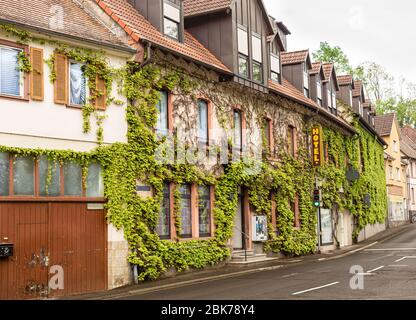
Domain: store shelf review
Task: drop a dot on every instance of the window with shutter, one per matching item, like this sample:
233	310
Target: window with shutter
10	75
36	77
61	80
101	100
77	84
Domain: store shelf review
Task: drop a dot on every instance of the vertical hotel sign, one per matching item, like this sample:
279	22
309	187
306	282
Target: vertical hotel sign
317	147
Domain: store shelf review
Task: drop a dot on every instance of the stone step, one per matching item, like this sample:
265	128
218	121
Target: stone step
249	257
241	252
251	262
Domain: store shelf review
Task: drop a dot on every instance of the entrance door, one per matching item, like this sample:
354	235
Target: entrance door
238	236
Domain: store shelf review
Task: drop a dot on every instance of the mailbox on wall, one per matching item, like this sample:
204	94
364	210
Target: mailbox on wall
6	250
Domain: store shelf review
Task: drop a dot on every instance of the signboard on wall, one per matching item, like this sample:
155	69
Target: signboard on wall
317	146
259	225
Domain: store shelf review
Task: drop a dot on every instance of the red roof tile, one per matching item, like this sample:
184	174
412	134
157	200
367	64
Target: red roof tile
141	28
294	57
316	67
196	7
328	70
409	132
345	80
384	124
358	88
76	21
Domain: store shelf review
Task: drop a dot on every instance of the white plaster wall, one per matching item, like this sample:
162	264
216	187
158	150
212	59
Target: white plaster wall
370	231
46	124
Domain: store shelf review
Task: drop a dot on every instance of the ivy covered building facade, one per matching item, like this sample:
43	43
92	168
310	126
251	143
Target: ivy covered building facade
214	144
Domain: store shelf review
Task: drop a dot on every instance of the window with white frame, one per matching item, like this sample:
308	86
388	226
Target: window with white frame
334	100
77	84
329	96
319	91
395	146
257	57
360	108
275	67
350	97
242	38
10	75
305	80
171	20
391	173
162	124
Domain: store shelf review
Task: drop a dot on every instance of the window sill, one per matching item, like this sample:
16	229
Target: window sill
50	199
7	97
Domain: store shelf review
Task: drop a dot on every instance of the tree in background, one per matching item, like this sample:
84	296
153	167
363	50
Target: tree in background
335	55
380	86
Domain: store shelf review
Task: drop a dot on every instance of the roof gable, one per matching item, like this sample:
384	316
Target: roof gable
296	57
194	8
384	124
317	69
77	21
329	71
141	29
345	80
358	89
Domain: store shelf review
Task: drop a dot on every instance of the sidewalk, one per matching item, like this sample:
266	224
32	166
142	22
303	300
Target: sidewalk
227	271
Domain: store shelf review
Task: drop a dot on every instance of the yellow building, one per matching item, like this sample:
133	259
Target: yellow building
396	166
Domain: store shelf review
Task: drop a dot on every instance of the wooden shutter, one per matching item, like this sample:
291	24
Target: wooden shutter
36	76
61	81
101	101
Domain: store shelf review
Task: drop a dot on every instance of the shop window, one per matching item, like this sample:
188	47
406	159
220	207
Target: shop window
204	199
95	181
24	176
186	211
4	174
50	188
163	224
73	179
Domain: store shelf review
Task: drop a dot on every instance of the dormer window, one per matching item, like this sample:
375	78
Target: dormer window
350	97
305	80
275	67
257	58
334	100
242	51
329	95
171	20
360	108
319	91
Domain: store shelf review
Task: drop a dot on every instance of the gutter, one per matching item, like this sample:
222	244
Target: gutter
198	62
77	38
373	131
319	111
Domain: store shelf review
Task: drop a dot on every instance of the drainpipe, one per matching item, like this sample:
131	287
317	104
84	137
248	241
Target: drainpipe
148	55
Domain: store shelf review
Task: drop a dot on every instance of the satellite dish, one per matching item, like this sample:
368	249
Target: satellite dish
353	175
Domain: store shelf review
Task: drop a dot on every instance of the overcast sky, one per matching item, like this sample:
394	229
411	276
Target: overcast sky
382	31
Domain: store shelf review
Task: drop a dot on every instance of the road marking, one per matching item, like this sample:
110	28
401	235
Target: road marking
392	249
409	257
290	275
348	253
398	265
314	289
376	269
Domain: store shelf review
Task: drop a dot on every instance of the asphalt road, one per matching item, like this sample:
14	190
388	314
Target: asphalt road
385	271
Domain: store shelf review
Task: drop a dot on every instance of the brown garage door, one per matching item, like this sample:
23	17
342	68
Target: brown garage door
46	234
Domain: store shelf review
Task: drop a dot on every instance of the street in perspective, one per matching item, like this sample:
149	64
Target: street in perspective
193	150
